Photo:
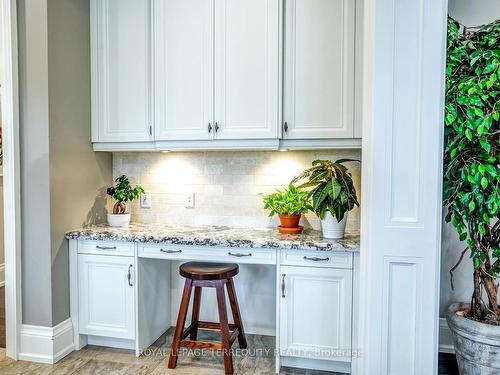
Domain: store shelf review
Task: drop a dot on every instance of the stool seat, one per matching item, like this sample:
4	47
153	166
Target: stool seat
208	271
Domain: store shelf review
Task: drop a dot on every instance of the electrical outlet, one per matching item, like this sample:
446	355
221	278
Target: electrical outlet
145	200
190	200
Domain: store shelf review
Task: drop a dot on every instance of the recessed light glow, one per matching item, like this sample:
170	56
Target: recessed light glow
175	168
281	169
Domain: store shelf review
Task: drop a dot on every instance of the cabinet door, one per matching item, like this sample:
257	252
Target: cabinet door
121	74
315	312
319	69
183	43
106	296
246	68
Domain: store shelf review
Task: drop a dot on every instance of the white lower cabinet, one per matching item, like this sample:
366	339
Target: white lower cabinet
106	296
315	313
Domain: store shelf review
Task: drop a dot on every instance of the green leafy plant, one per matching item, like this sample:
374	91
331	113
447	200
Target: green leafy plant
289	201
122	192
471	161
331	187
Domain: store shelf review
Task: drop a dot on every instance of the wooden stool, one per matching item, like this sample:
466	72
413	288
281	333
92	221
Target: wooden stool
212	275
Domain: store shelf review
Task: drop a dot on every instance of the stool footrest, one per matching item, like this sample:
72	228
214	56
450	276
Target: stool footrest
197	344
233	336
205	325
234	331
212	325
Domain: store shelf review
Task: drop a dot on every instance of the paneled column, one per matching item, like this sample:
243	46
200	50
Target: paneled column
404	59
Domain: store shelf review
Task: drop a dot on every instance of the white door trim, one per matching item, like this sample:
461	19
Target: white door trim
11	168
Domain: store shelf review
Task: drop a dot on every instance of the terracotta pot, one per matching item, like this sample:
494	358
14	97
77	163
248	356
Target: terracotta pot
289	221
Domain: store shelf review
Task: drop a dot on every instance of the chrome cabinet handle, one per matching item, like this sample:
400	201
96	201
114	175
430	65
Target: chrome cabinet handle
129	276
239	255
283	285
316	259
171	251
105	247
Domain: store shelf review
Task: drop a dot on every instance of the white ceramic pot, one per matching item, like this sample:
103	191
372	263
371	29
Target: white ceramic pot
118	220
331	228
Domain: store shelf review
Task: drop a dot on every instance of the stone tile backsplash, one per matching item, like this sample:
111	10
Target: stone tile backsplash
226	184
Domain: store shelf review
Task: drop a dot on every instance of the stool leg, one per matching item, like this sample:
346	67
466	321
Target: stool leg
242	341
224	326
196	313
181	321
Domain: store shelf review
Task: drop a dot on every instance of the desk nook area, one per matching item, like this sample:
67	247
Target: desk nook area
126	288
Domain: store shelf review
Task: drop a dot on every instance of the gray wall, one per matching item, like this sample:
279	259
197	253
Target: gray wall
78	175
34	144
474	13
61	175
469	13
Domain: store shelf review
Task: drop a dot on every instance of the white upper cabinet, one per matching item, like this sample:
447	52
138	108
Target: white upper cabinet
319	69
247	68
230	74
121	74
184	74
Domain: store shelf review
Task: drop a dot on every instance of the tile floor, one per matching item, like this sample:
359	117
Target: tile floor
97	360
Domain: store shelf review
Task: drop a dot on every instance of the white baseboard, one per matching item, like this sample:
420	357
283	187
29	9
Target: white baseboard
445	337
111	342
316	364
2	275
46	344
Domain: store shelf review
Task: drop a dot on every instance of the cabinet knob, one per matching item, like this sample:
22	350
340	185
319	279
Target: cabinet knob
216	127
209	127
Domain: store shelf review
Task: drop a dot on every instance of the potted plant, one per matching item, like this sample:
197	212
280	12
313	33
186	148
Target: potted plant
471	190
289	204
333	194
122	192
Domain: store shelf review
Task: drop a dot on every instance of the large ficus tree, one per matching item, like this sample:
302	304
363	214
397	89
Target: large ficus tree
471	159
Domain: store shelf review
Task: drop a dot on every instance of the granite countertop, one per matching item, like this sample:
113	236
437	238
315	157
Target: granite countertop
216	236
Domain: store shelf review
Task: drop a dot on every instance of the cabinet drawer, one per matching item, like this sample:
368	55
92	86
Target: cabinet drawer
106	248
205	253
316	259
